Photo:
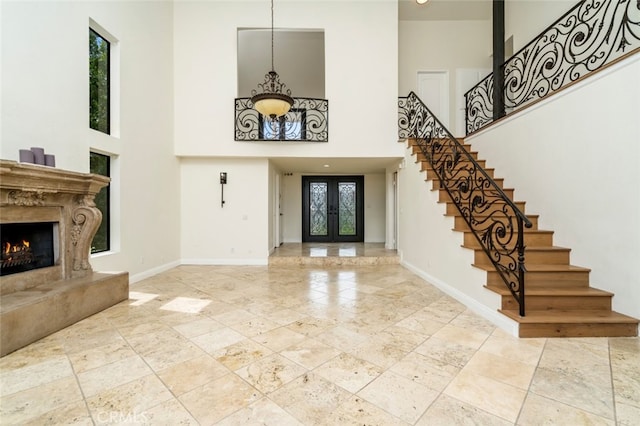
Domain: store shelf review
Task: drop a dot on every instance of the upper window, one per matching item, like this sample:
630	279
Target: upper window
288	127
99	82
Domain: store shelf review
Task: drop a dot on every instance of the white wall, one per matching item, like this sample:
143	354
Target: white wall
237	233
45	102
359	39
575	162
526	19
360	69
442	46
374	208
298	59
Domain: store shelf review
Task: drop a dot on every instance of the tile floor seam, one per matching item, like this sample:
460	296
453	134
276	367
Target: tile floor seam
176	397
155	373
375	322
84	398
613	385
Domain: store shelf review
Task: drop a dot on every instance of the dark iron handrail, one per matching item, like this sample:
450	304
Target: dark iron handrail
494	219
593	34
307	121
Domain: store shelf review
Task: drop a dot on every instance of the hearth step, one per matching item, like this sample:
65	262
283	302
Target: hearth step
31	314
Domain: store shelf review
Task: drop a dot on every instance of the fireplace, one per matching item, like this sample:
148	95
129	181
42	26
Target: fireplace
27	246
47	221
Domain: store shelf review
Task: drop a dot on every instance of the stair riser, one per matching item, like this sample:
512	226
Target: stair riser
421	157
416	149
462	166
530	240
496	207
460	225
535	279
578	330
436	183
540	303
443	195
537	257
432	174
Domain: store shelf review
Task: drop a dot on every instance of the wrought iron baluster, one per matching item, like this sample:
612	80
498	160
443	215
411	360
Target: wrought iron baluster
494	219
306	121
593	34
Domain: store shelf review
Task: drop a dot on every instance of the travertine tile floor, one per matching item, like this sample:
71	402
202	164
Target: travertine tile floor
290	345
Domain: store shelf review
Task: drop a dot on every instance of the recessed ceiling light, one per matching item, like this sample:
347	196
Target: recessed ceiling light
421	1
326	165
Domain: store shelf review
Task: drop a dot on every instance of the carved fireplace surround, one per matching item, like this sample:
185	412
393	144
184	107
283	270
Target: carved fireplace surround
39	302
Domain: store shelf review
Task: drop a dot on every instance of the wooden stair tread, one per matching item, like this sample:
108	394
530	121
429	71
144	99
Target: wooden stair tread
526	231
529	249
501	188
570	317
554	291
530	216
543	268
490	201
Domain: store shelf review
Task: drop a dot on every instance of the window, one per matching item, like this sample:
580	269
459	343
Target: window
101	165
99	83
291	126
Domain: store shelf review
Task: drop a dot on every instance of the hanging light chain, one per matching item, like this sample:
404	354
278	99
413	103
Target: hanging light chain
275	99
272	67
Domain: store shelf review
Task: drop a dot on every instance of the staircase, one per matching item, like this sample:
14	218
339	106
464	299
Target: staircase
559	300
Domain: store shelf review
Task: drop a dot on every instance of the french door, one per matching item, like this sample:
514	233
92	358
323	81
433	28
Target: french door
332	208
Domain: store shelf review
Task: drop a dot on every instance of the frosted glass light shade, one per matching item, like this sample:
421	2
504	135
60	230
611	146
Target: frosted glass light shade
272	104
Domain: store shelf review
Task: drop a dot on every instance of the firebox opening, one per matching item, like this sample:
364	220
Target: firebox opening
27	246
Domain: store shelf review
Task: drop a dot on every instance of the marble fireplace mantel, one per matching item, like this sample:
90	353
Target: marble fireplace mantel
39	302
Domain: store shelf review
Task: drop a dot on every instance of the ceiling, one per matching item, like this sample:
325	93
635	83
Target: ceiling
444	10
341	165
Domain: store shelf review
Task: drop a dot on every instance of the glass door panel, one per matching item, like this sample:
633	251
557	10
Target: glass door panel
318	209
347	219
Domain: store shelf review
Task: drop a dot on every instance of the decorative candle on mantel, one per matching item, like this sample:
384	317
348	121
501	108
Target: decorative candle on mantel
50	160
26	156
38	155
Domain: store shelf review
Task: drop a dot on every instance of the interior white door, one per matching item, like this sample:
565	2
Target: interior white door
433	89
278	211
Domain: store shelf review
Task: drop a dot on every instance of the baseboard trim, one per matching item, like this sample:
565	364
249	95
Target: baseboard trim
507	325
153	271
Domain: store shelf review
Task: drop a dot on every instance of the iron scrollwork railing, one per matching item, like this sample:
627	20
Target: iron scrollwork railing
307	121
494	219
591	35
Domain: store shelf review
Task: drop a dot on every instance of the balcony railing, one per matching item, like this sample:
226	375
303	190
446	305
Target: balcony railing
307	121
591	35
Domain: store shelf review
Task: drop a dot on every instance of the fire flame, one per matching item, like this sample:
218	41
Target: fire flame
9	248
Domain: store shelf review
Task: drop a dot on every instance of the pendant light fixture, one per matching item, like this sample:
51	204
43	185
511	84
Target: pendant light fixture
274	101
